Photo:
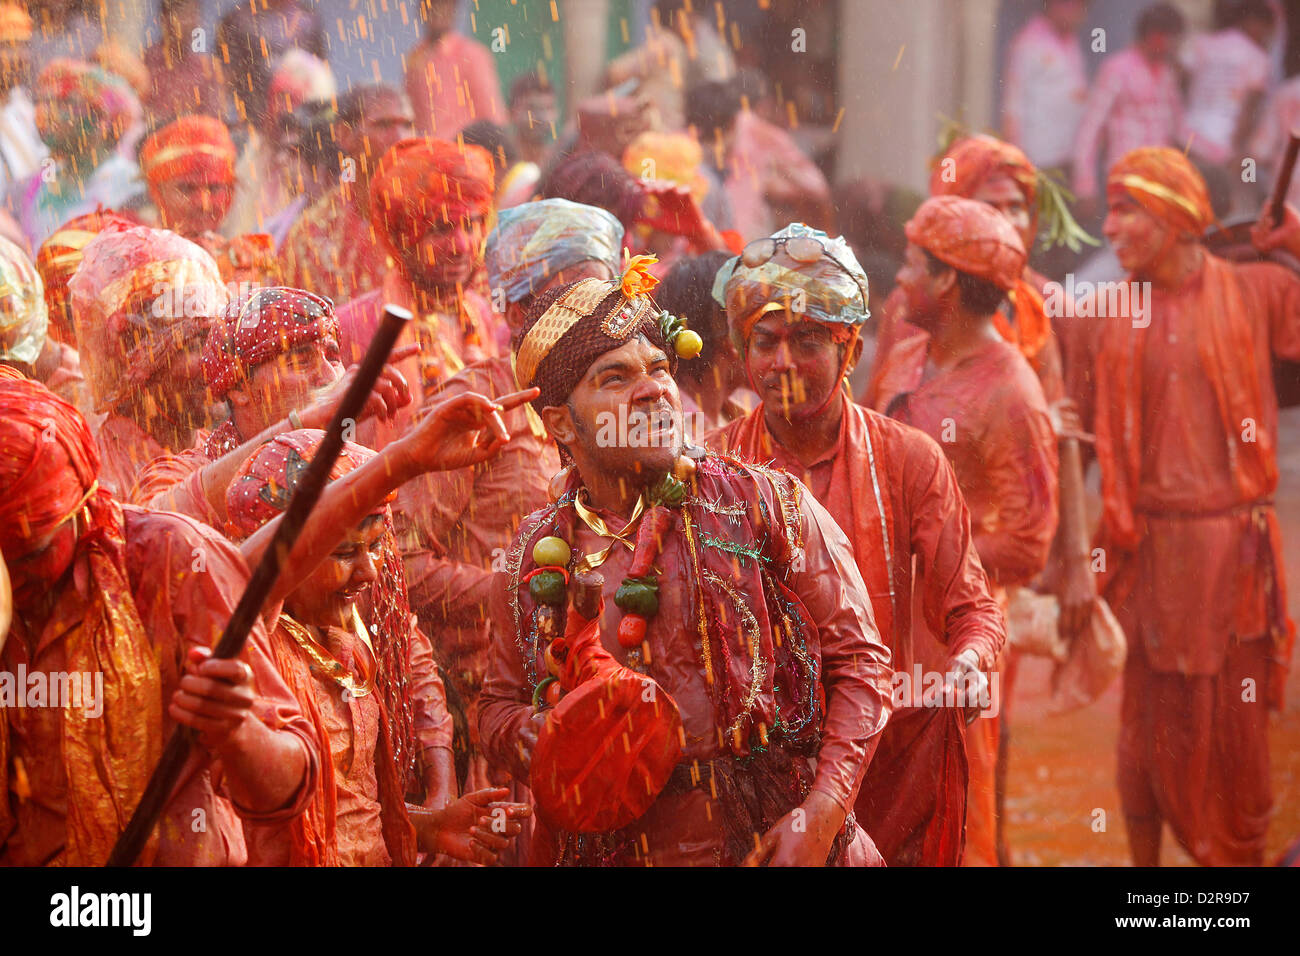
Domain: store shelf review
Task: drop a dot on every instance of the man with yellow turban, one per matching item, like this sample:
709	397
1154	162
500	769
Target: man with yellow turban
740	600
1185	412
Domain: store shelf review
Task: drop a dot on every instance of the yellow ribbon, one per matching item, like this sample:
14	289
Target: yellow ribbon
597	524
1159	191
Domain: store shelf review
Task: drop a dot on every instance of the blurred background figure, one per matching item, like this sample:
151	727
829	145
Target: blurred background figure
1135	101
21	148
1229	72
183	79
332	248
1046	84
682	48
82	113
451	78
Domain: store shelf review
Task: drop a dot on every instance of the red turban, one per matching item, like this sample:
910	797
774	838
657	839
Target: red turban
48	471
970	236
58	258
270	323
138	296
187	147
267	479
1166	184
422	182
48	463
971	162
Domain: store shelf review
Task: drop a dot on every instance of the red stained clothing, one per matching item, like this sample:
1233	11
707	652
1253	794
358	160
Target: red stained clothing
447	344
990	418
1192	752
451	83
685	825
1047	361
1187	418
124	449
455	527
913	799
989	415
334	251
365	812
175	483
180	609
1207	561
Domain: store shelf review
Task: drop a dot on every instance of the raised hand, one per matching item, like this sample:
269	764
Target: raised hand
462	430
390	393
672	209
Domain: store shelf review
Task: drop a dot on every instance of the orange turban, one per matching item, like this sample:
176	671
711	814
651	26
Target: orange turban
424	181
189	146
15	24
972	161
57	260
970	236
1165	183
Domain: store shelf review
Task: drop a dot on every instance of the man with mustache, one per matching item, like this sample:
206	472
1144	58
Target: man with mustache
796	303
972	391
1185	412
760	628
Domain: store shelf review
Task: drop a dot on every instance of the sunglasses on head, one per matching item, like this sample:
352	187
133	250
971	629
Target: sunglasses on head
802	249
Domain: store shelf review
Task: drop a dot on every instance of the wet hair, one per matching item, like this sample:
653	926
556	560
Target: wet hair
596	179
977	295
1160	18
495	139
711	106
353	104
526	83
687	291
1243	11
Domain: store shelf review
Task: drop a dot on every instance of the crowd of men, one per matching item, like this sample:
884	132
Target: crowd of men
615	568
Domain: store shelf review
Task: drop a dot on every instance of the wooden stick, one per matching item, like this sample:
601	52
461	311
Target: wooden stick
1277	201
176	753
